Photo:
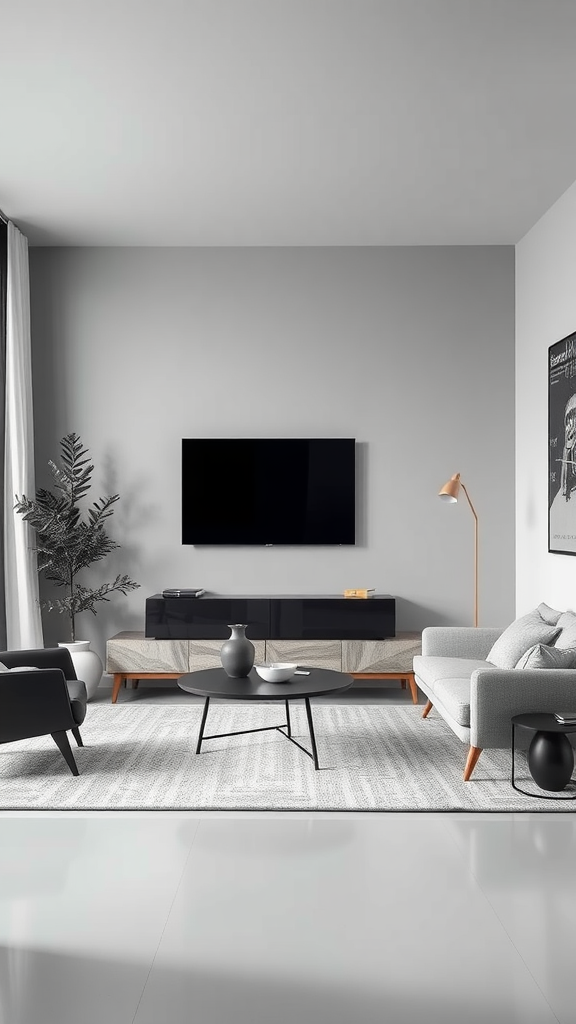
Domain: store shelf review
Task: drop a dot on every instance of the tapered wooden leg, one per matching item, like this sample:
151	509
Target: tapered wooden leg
403	684
413	688
62	742
471	762
135	684
118	679
427	709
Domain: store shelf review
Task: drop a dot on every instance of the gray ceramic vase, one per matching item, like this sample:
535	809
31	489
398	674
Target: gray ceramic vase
237	654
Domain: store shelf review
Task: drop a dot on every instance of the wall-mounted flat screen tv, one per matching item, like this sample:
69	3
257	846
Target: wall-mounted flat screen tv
268	490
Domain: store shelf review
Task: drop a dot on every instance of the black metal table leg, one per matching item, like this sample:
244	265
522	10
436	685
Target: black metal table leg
312	736
313	754
202	724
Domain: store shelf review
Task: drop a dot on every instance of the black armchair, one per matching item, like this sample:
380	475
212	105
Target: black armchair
50	700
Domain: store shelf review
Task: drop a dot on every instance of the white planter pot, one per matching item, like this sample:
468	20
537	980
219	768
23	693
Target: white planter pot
87	664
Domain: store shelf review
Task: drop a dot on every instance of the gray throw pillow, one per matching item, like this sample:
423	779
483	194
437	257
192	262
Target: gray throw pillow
549	614
541	656
567	627
521	634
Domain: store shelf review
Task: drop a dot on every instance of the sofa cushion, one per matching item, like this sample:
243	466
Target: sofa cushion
432	670
541	656
521	634
567	635
454	694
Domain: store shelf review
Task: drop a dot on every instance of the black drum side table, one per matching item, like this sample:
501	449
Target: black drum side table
550	754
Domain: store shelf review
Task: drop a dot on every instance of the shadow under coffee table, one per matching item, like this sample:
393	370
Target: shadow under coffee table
215	683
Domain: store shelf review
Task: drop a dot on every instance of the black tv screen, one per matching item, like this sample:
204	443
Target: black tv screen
268	491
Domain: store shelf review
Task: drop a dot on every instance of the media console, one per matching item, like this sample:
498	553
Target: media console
349	635
292	617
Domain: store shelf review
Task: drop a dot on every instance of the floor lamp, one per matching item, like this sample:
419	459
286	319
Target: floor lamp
450	493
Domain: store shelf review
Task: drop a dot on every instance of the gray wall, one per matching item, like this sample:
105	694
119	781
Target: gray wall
410	350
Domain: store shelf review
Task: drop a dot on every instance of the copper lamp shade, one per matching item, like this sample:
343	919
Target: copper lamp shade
451	489
450	493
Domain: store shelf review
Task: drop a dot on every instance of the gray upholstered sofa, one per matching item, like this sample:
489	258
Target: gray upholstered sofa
477	698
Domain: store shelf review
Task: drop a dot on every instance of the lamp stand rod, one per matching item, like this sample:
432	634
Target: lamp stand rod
475	553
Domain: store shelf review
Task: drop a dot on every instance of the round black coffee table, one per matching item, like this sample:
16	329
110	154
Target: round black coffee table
215	683
550	754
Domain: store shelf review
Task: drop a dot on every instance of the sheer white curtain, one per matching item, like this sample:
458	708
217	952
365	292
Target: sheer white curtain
23	620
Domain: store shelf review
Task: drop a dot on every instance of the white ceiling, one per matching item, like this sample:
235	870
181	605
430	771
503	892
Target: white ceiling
285	122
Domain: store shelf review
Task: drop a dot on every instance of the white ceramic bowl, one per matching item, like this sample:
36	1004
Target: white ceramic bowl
276	671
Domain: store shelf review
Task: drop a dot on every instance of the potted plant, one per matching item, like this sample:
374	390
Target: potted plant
70	538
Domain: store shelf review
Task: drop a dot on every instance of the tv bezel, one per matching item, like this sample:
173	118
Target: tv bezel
272	543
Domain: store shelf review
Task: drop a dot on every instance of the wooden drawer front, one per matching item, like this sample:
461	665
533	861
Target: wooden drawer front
393	655
315	653
132	652
206	653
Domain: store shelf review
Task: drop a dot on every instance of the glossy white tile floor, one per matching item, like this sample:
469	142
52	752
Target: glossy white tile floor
274	918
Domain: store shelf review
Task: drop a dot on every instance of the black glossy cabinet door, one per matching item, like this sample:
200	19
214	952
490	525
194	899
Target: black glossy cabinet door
332	618
271	618
182	618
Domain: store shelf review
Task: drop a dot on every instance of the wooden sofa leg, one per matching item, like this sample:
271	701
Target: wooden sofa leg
427	709
413	688
471	762
118	680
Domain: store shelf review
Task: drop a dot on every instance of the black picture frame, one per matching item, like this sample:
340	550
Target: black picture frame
562	446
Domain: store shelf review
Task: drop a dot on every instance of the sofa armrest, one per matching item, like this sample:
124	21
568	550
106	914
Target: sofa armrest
33	704
458	641
497	694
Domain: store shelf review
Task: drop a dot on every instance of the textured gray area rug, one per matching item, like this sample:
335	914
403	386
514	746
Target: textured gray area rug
372	758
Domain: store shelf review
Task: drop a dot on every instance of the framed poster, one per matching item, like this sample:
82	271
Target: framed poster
562	446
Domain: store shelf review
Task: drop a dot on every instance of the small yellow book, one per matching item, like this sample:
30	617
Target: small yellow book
359	593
